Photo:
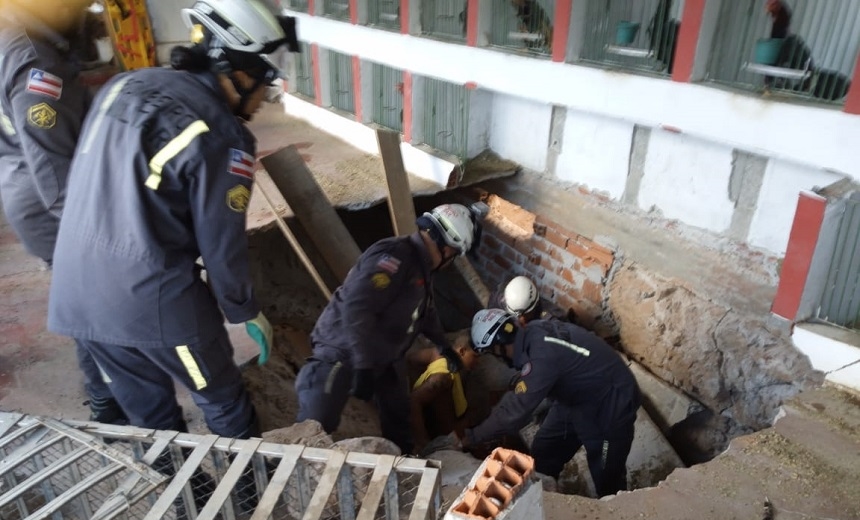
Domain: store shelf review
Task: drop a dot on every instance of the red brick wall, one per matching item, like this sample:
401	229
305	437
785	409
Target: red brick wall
569	269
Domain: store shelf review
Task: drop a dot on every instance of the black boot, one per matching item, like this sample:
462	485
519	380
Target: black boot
107	411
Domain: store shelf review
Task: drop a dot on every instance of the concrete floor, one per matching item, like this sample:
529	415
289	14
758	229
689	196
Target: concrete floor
807	466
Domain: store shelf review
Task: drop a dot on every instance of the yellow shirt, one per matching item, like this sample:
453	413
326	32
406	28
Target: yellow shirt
440	366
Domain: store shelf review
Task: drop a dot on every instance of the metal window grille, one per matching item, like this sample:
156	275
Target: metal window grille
298	5
810	54
384	13
388	97
66	471
840	303
305	71
444	19
338	9
446	116
632	34
523	24
340	84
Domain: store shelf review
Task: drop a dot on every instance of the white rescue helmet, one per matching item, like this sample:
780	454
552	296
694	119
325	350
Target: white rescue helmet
240	26
492	327
521	296
456	224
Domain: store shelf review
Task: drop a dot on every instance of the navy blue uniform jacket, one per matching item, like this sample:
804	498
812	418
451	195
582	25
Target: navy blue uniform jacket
162	175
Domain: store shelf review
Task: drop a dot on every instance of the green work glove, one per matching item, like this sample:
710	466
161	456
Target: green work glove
260	331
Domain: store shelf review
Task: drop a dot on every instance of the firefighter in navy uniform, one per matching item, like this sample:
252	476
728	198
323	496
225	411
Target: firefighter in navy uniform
42	108
162	176
594	395
360	340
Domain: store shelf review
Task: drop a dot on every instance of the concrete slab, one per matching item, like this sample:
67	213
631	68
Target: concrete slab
832	350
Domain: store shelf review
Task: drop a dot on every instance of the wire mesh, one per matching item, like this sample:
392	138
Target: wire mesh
388	97
384	14
802	49
632	34
340	81
523	25
300	478
305	71
337	9
446	116
445	19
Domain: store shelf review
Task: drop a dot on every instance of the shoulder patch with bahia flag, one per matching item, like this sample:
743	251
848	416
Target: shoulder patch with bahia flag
388	263
241	164
44	83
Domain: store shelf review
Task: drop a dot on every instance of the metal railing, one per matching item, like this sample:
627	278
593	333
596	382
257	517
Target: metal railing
388	97
523	25
66	471
337	9
804	49
297	5
446	116
384	14
632	34
840	303
305	71
444	19
341	86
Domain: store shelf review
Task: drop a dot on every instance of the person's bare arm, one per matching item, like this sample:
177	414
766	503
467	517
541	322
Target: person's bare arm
435	387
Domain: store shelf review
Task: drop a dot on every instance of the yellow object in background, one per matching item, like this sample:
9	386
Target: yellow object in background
131	33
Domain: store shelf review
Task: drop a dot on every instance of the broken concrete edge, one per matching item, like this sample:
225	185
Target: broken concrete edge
497	483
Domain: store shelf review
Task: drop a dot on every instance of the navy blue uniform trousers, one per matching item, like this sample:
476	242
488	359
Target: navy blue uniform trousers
323	389
142	383
556	442
94	382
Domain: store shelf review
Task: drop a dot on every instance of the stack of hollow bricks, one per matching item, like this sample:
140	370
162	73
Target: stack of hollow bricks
500	479
569	269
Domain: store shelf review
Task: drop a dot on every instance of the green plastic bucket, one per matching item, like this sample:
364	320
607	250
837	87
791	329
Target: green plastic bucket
767	50
625	32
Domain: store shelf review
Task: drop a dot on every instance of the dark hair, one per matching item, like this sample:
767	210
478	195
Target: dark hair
193	59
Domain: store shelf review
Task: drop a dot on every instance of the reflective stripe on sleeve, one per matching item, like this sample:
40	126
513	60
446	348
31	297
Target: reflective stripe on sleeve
106	103
191	367
571	346
170	150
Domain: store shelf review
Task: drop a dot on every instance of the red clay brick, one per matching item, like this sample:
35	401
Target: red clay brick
535	258
503	262
490	242
567	275
592	292
556	238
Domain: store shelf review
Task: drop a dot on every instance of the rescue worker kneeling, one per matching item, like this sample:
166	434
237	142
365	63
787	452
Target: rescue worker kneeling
360	340
594	395
162	175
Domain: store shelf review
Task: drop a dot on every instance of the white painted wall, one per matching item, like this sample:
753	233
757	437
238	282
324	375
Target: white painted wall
595	152
688	179
520	130
416	161
826	138
167	26
774	215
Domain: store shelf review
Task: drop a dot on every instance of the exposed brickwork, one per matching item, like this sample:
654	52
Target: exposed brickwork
569	269
498	481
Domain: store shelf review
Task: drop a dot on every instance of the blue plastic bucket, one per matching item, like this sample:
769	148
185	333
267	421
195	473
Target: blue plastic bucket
767	50
625	32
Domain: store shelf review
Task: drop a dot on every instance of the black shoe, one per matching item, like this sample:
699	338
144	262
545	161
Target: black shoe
107	411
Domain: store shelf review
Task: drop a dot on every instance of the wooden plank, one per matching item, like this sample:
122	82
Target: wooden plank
291	238
279	481
231	478
401	207
165	501
427	498
376	487
326	486
299	188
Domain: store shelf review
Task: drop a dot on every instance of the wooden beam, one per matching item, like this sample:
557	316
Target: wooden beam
291	238
297	184
400	204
